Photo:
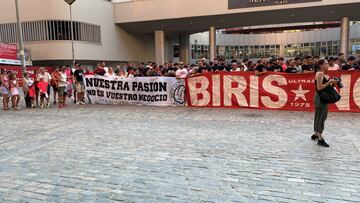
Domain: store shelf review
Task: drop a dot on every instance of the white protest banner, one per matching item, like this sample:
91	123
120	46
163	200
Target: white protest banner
149	91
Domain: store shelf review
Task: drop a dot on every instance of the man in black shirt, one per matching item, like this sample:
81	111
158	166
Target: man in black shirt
142	69
291	68
260	69
80	86
357	65
272	66
203	68
215	66
350	64
308	65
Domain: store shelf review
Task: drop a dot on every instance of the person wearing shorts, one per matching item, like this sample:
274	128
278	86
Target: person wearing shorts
80	87
62	83
15	97
4	89
55	82
46	78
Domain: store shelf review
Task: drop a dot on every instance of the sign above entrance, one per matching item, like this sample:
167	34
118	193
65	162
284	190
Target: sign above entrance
255	3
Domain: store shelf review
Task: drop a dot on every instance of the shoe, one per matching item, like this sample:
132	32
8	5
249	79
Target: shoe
54	103
42	106
48	105
75	101
314	137
78	103
17	108
82	102
323	143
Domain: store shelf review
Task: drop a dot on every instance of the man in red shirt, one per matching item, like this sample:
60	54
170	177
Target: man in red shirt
88	71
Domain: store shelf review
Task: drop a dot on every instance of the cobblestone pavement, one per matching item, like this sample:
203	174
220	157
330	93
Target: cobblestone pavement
96	153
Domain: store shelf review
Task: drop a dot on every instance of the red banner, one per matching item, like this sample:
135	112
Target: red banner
8	51
9	55
279	91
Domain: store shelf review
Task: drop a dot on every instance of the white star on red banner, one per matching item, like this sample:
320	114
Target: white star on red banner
300	93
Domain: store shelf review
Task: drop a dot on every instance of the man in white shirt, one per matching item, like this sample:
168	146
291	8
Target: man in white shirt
235	67
110	73
130	72
332	65
245	64
181	73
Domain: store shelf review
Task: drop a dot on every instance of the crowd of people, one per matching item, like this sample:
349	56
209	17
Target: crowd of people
37	88
68	82
181	70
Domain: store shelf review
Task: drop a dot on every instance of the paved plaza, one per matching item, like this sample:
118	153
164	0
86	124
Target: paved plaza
97	153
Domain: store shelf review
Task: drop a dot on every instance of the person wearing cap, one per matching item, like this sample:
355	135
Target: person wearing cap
350	64
332	65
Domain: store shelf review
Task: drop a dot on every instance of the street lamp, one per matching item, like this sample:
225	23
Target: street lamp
70	2
20	36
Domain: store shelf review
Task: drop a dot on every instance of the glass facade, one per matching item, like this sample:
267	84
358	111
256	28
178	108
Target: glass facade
354	46
236	51
330	48
322	49
199	51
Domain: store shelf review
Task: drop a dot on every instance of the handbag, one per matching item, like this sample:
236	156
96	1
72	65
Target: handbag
329	95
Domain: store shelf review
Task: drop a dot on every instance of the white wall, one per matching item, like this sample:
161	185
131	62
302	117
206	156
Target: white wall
117	45
146	10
